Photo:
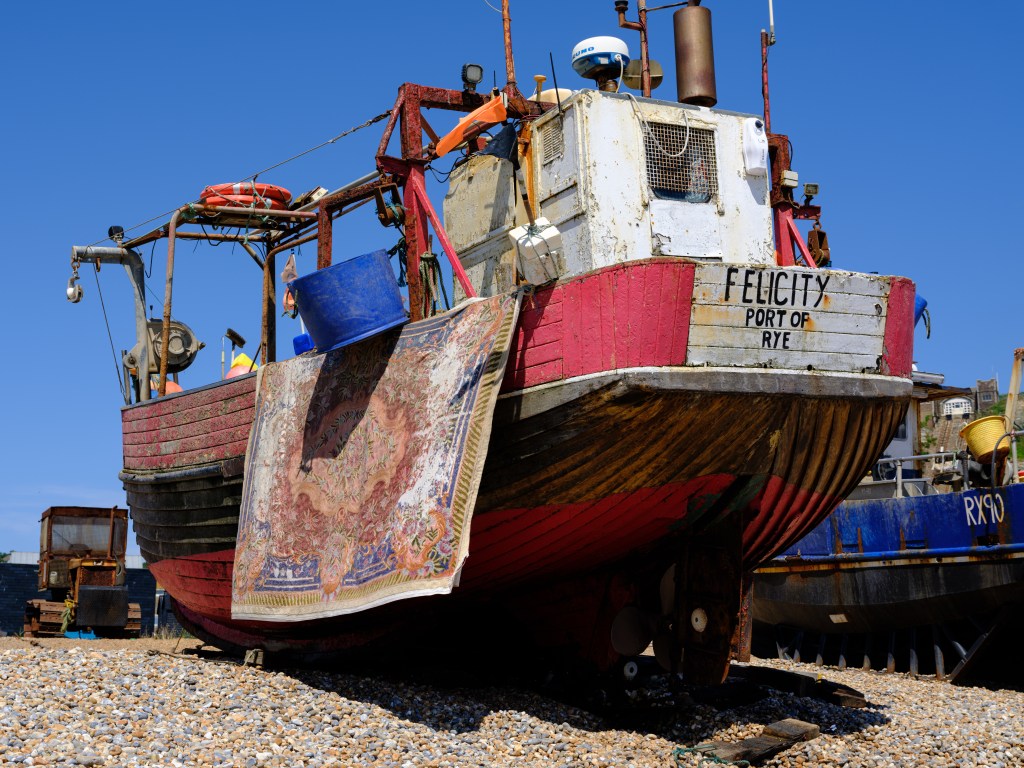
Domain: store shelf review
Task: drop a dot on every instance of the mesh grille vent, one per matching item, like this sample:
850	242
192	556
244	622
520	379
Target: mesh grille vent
552	142
691	177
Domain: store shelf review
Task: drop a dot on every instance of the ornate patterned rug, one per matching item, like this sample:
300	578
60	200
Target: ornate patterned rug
363	467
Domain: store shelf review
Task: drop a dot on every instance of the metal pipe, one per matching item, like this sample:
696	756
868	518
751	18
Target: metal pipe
132	263
416	185
510	67
641	27
351	185
165	334
1013	448
157	234
251	251
258	212
221	237
268	329
110	535
841	558
149	237
765	42
269	324
888	460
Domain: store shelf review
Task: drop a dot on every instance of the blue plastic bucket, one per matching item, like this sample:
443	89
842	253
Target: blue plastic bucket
349	301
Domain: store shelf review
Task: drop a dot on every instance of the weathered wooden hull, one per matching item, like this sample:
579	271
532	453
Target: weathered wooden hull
615	447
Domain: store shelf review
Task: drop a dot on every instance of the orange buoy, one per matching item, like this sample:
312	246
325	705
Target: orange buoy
239	370
172	386
245	201
248	188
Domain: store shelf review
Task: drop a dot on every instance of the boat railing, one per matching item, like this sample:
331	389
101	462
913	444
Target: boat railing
945	456
1013	435
954	458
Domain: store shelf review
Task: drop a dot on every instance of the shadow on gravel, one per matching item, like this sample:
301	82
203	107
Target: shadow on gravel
459	698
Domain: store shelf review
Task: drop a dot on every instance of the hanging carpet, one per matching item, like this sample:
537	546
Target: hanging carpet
363	467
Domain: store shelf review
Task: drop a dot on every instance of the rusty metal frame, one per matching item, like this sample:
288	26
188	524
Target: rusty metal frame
408	170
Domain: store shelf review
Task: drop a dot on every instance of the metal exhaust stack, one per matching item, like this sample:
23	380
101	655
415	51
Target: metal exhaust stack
695	56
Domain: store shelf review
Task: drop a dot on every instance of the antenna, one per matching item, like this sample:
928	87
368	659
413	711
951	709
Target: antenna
554	79
771	23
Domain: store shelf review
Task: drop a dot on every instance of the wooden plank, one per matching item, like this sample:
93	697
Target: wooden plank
620	288
775	738
699	354
834	281
650	313
572	329
166	447
634	315
899	329
606	307
189	459
143	420
732	316
170	405
234	420
665	329
854	304
783	341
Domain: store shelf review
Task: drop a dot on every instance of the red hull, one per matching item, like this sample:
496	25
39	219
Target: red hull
621	451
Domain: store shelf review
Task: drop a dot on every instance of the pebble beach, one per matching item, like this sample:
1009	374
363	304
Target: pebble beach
137	703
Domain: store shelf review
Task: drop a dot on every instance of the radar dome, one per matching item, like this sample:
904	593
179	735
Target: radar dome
600	58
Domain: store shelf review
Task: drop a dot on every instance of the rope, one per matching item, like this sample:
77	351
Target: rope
110	337
399	250
253	176
67	615
430	276
650	134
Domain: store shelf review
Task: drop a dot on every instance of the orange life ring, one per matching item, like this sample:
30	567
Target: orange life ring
245	201
248	188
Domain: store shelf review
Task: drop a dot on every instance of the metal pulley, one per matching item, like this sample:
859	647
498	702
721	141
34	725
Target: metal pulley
390	213
182	346
74	291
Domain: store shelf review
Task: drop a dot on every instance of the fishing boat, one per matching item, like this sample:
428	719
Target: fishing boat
917	571
680	366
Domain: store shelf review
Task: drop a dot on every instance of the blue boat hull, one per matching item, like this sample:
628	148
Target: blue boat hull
884	565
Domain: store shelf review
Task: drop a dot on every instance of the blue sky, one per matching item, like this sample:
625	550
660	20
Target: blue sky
908	115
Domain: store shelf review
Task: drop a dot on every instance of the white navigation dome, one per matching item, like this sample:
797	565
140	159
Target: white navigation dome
598	58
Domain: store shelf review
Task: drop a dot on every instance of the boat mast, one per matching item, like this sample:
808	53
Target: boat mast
510	66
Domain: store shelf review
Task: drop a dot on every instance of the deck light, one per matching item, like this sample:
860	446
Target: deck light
471	75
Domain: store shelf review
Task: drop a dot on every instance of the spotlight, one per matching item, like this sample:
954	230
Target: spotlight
471	75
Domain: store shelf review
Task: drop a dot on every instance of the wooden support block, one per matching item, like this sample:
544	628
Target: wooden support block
774	739
254	658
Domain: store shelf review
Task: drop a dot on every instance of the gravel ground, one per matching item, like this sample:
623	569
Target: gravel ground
122	703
